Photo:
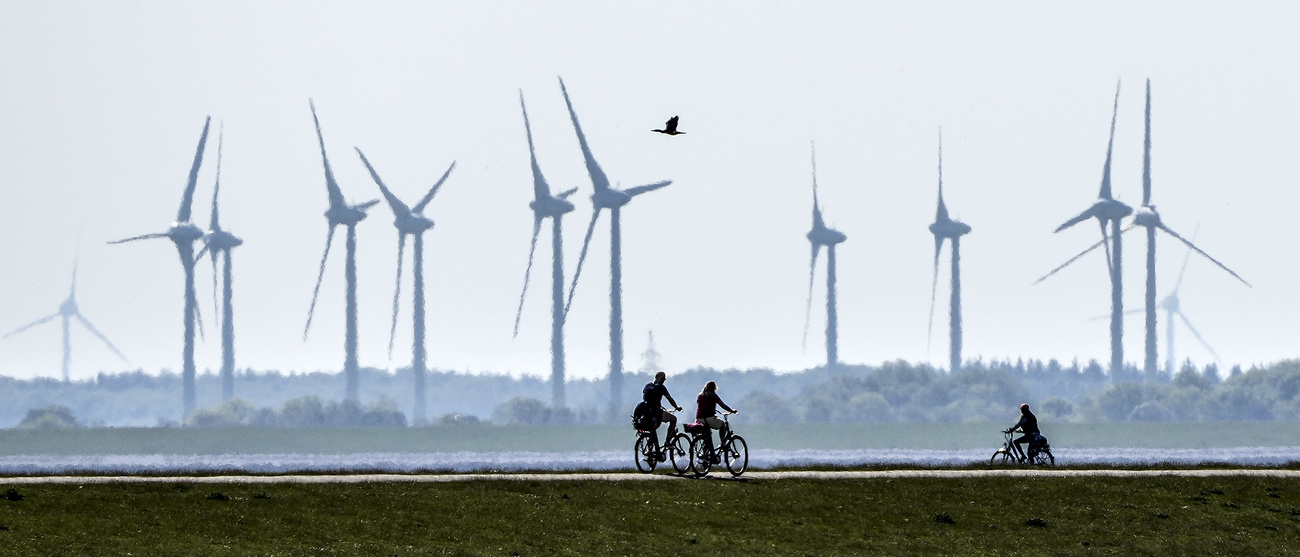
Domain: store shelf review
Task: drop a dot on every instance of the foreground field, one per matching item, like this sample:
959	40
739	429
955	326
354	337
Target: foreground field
1237	515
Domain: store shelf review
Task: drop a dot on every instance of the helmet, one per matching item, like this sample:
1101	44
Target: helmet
1024	406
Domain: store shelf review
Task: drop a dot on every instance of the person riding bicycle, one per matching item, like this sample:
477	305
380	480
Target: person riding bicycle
1028	425
653	394
706	412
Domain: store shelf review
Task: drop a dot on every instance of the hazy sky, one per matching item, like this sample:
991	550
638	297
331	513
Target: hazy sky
101	105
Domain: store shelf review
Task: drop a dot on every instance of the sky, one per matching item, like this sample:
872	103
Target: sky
101	106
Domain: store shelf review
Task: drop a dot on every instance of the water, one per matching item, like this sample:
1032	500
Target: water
603	460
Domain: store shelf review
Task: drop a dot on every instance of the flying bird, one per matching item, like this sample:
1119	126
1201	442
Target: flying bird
670	127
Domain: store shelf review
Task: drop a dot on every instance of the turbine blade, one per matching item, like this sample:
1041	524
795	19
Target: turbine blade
397	293
638	190
532	247
807	312
1105	237
367	205
541	189
198	318
1146	152
566	193
1187	258
1207	256
399	209
582	257
1077	219
934	287
101	336
216	188
188	199
434	190
1105	174
141	237
1071	260
598	178
312	310
216	311
336	195
1197	334
940	214
29	325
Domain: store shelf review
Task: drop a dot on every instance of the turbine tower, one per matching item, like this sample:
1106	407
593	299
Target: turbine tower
944	228
67	310
607	197
545	205
823	236
1148	218
410	221
183	234
340	212
1107	210
220	242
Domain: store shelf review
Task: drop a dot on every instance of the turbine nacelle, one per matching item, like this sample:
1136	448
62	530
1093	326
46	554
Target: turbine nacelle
1170	303
1148	217
184	233
1110	209
824	236
412	223
609	198
68	308
949	229
550	206
348	215
218	240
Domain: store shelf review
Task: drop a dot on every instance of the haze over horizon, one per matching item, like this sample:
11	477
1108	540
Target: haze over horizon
101	104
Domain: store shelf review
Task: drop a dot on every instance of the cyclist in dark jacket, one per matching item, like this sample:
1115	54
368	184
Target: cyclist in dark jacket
1028	425
653	394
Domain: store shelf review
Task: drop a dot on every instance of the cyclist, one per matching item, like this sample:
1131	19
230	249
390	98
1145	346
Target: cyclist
1028	425
706	412
653	394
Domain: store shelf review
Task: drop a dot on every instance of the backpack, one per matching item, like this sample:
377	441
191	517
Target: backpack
643	416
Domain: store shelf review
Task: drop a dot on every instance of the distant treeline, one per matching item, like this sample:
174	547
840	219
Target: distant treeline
893	392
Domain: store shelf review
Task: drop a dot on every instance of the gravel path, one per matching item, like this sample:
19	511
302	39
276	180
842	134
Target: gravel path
627	476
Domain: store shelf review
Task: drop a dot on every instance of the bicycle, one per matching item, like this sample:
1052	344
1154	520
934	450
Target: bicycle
648	454
1040	454
732	450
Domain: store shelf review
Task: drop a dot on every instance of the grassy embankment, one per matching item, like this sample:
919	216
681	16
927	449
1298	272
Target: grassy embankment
1154	516
617	437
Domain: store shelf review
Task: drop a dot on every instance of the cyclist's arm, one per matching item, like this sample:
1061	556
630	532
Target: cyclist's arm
671	401
724	406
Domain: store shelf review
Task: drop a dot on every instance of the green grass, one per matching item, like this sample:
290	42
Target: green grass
989	516
618	437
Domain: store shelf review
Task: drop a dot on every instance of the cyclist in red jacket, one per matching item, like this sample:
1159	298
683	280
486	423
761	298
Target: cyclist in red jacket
706	411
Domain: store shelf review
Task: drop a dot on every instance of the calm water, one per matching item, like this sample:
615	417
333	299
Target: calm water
601	460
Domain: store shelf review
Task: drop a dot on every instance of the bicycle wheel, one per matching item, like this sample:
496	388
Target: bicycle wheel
679	452
644	453
700	462
736	453
1044	458
1002	456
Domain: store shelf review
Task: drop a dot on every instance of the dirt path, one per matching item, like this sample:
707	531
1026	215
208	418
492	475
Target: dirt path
628	476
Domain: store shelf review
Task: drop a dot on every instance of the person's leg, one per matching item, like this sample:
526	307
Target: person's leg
671	420
713	423
1020	441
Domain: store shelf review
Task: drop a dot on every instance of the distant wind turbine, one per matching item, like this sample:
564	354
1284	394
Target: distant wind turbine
1107	210
607	197
340	212
183	234
1171	306
545	205
1148	217
410	221
944	228
823	236
220	242
67	310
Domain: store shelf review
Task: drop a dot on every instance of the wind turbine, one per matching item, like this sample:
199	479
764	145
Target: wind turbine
545	205
340	212
1171	306
1107	210
1148	217
410	221
823	236
183	234
944	228
607	197
220	242
67	310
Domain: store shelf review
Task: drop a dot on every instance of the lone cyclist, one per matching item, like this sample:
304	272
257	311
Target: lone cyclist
706	412
653	394
1028	425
